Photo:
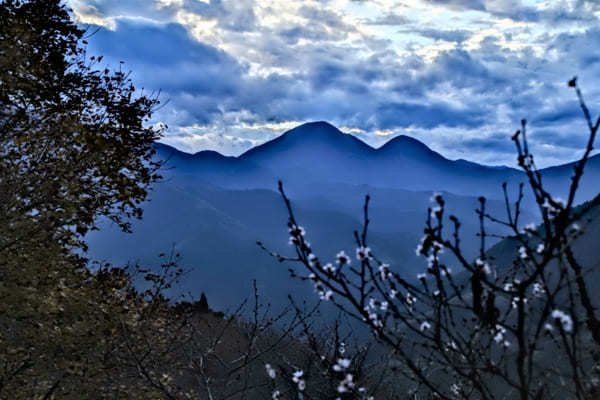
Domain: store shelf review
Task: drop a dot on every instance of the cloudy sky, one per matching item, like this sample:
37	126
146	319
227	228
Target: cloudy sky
457	74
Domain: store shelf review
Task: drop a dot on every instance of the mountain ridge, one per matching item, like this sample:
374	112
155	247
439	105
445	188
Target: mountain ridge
318	152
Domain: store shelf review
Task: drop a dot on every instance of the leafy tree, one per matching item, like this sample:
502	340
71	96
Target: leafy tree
518	323
74	146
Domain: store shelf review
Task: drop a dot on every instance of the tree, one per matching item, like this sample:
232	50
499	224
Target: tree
74	146
521	325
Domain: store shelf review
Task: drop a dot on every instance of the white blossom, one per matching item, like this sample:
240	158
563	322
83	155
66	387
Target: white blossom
363	253
375	320
297	375
515	301
372	303
487	269
431	259
326	295
329	268
425	326
384	271
297	378
276	395
270	371
523	252
436	212
499	336
455	389
342	258
297	231
435	197
301	385
347	384
552	209
419	250
530	228
341	364
565	319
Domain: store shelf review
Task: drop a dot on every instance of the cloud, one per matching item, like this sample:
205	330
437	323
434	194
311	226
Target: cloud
389	18
455	73
431	115
455	35
460	4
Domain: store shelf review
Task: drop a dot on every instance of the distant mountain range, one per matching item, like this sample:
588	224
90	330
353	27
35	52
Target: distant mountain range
318	152
212	209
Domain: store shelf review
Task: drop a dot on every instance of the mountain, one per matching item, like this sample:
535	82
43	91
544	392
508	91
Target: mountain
210	166
216	230
318	153
314	152
212	209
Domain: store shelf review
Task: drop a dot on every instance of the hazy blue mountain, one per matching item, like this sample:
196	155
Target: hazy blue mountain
211	167
557	178
212	209
215	230
317	153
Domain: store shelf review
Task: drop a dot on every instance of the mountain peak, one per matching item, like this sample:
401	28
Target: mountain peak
404	141
317	128
317	125
318	137
403	144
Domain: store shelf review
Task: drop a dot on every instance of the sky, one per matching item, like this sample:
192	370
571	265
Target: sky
459	75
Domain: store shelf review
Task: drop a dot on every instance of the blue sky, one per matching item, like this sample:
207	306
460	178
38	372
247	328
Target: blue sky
458	75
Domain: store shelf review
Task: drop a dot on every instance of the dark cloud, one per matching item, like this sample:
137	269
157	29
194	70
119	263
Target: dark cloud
497	143
456	35
314	33
328	18
461	4
120	8
464	70
391	19
166	58
431	115
360	83
559	114
557	13
573	139
581	48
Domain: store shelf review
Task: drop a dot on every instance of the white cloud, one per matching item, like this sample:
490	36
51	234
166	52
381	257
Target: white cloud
465	70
